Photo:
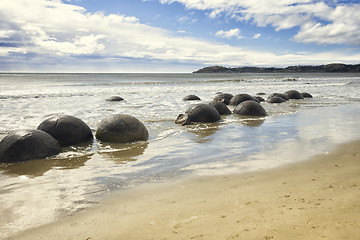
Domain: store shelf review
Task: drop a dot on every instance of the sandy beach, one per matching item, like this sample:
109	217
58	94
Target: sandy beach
315	199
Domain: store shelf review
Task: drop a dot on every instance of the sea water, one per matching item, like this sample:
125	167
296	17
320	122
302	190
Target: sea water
39	191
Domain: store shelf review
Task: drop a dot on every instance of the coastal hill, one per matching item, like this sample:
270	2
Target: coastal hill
333	67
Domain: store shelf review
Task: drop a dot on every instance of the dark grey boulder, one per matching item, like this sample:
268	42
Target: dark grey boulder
293	94
191	98
121	128
115	99
275	99
220	107
199	113
68	130
223	97
239	98
250	108
260	99
306	95
27	145
283	96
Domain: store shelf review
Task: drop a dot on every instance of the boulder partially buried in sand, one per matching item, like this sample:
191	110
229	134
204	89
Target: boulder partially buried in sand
223	97
220	107
259	99
27	145
191	98
115	99
306	95
293	94
199	113
121	128
239	98
275	99
283	96
250	108
68	130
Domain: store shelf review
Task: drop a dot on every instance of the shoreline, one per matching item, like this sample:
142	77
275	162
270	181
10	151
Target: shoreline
312	199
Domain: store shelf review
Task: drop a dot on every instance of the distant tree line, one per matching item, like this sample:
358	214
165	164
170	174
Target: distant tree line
333	67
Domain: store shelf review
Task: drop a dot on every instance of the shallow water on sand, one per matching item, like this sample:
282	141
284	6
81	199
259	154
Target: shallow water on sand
40	191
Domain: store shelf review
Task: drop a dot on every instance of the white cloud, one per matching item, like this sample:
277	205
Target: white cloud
229	34
44	32
320	22
256	36
186	19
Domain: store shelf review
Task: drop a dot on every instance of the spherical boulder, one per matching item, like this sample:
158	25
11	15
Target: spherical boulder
283	96
26	145
121	128
220	107
239	98
68	130
199	113
306	95
191	98
250	108
293	94
115	99
223	97
275	99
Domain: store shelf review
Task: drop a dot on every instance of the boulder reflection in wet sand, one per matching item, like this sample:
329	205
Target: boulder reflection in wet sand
203	131
124	153
252	122
37	168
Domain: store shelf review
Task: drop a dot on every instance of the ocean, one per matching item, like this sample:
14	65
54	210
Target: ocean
40	191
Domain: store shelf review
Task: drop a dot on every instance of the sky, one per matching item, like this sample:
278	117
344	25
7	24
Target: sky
175	35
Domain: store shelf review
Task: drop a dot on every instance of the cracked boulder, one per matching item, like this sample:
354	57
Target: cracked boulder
68	130
25	145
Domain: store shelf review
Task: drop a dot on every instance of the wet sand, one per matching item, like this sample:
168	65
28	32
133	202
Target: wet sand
314	199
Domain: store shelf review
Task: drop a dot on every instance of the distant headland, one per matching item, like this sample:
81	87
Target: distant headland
328	68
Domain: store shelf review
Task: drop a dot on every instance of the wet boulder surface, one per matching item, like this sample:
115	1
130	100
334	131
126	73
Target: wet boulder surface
220	107
68	130
27	145
250	108
191	98
115	99
306	95
275	99
199	113
239	98
259	99
121	128
223	97
281	95
293	94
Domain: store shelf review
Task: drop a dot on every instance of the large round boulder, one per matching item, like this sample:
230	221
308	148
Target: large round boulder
220	107
121	128
191	98
199	113
293	94
283	96
68	130
26	145
239	98
250	108
223	97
